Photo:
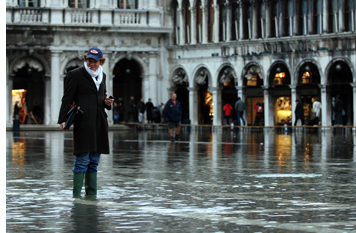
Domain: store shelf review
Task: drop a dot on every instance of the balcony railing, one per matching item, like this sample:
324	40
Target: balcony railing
82	17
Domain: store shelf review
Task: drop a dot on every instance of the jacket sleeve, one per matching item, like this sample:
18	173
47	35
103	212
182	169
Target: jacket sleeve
68	97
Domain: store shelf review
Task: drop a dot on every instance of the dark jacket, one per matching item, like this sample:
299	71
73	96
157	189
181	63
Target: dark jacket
130	108
338	106
240	106
299	113
141	107
90	131
172	112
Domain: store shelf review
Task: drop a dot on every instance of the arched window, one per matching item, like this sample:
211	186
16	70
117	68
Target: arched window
289	18
350	16
199	22
318	17
78	3
333	18
29	3
235	21
127	4
187	15
222	21
210	20
275	19
303	17
176	22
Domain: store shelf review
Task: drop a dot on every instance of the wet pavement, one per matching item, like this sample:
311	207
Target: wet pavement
223	181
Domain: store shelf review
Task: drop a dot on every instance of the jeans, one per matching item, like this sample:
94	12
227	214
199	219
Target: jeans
140	115
86	162
240	115
338	118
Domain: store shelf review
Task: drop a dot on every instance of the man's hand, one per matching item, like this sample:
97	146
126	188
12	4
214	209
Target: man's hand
63	124
108	101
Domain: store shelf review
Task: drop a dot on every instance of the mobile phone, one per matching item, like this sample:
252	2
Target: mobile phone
111	97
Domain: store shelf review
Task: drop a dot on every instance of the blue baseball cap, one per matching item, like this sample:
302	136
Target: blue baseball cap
95	53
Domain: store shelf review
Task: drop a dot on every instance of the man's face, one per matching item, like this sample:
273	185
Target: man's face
174	97
92	64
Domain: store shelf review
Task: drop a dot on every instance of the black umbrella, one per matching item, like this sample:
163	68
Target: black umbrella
71	116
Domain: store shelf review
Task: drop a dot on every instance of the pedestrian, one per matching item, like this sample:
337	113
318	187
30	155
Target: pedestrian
173	114
316	111
299	113
338	111
149	111
240	107
259	113
121	112
227	110
37	112
130	110
116	113
90	133
141	108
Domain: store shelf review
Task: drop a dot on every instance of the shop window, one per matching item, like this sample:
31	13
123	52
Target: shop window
127	4
307	76
29	3
280	78
283	110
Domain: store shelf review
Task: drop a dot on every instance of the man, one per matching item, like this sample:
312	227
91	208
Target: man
299	113
130	109
149	111
90	133
240	107
173	114
338	111
141	108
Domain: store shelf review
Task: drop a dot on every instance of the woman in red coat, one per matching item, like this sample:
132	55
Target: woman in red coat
86	86
227	109
259	113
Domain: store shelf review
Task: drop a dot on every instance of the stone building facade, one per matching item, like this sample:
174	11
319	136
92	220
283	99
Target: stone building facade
207	51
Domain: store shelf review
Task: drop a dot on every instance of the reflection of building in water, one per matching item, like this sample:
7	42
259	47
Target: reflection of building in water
283	110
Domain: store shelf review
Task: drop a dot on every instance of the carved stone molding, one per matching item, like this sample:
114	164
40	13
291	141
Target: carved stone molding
180	77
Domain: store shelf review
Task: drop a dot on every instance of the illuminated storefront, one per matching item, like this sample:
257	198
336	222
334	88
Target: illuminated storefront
282	106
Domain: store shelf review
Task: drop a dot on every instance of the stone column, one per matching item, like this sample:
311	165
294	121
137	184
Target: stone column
228	22
56	12
342	15
153	78
293	99
325	16
193	28
9	85
217	108
268	18
193	105
182	26
254	19
296	17
326	110
354	102
241	21
152	4
145	87
55	83
47	100
268	106
216	23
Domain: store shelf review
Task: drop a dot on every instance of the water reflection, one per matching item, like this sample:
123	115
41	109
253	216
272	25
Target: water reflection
211	181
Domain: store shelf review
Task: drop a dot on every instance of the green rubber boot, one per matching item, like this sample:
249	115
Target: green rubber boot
77	183
90	183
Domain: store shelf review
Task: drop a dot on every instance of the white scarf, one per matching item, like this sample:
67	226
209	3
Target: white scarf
97	73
